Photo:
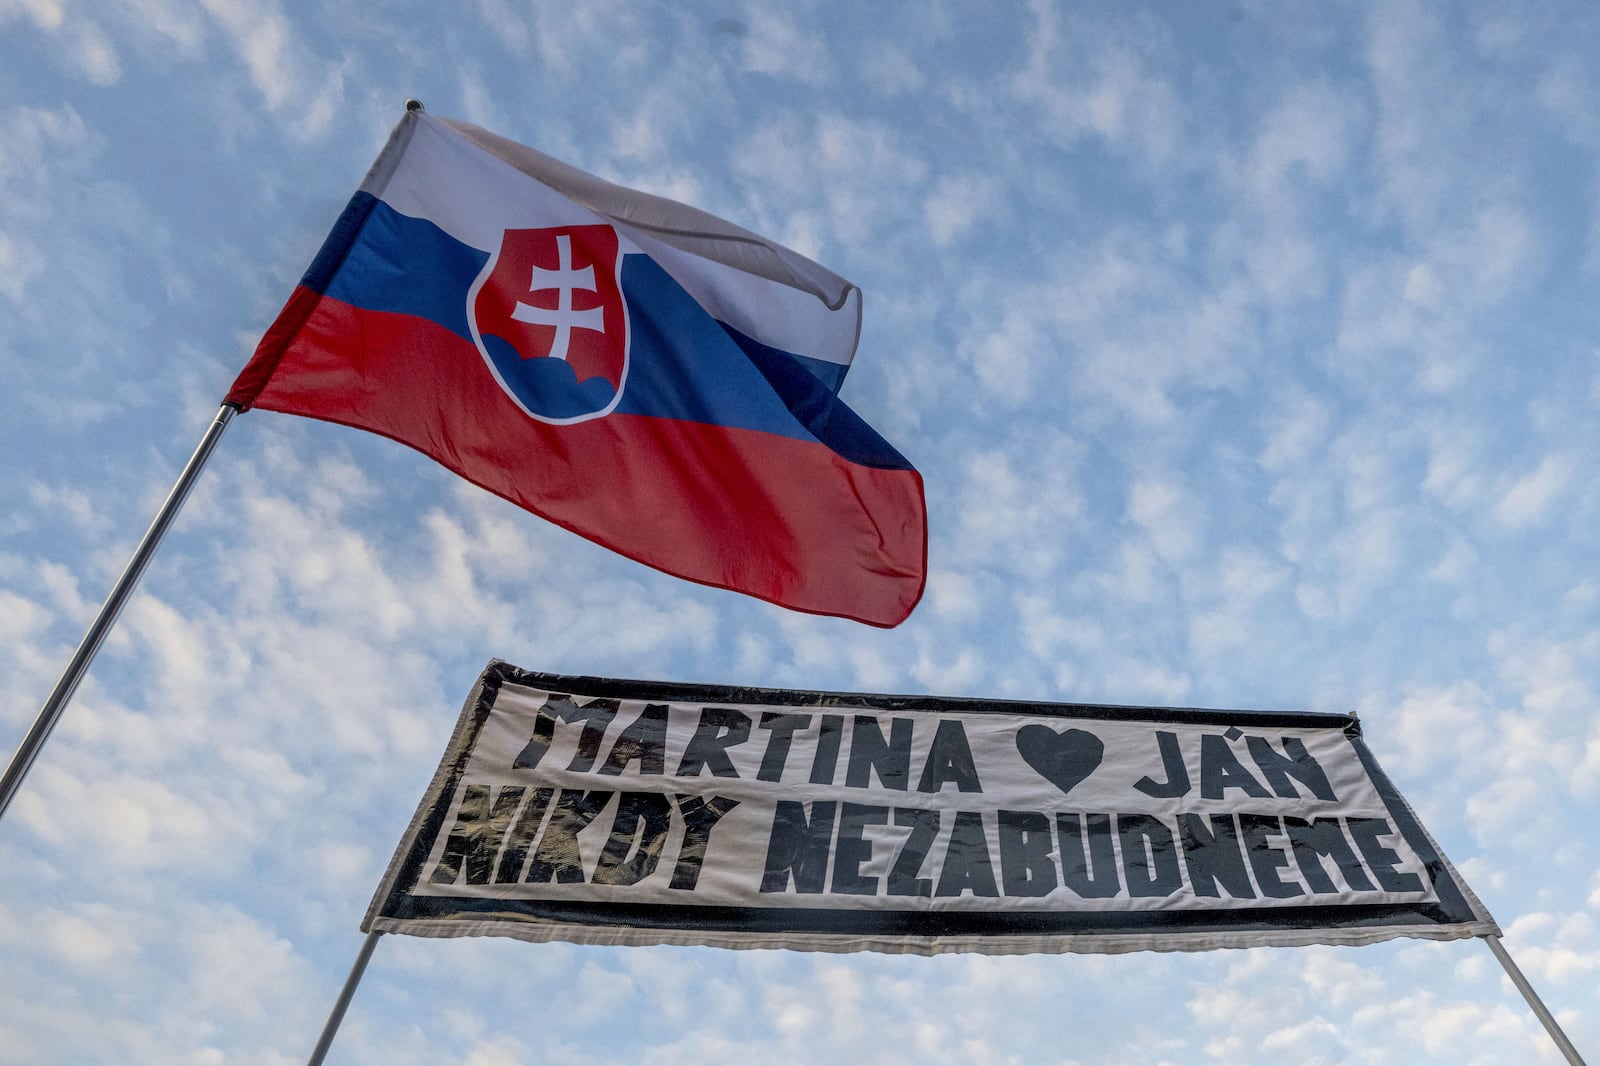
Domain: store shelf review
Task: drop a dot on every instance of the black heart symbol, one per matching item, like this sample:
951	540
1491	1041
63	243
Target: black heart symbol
1065	758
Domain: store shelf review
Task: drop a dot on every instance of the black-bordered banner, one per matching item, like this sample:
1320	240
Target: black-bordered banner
633	812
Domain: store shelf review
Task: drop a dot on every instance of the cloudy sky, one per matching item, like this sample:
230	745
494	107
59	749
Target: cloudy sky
1250	353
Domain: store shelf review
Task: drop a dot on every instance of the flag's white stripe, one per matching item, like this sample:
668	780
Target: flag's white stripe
474	196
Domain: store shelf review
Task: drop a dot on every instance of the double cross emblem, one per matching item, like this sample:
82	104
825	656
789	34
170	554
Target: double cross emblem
565	280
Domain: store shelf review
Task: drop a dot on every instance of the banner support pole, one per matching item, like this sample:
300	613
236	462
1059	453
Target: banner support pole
1539	1009
28	750
331	1028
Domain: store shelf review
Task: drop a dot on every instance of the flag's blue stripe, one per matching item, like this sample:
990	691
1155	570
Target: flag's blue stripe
830	374
403	265
811	400
684	364
337	244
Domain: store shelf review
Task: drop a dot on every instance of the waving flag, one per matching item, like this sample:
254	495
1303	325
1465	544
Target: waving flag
644	374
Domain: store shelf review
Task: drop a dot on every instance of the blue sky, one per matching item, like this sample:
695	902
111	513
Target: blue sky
1249	352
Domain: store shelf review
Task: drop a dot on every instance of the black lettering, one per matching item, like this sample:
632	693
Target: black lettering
700	816
949	759
1026	868
596	718
1323	838
595	715
1221	770
1088	855
475	839
1380	859
783	727
720	728
644	740
869	752
1213	857
630	855
967	864
908	862
1296	762
1266	858
557	857
1149	856
799	846
852	849
825	762
544	730
1177	782
515	851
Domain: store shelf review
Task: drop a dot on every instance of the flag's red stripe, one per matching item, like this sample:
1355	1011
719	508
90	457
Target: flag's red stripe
786	520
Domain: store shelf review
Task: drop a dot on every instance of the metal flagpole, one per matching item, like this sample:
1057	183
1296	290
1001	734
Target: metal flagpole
28	750
336	1015
1532	997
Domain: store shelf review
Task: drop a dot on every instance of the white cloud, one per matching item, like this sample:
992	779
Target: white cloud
1441	729
1109	330
1417	116
1170	518
507	23
774	44
1455	464
958	204
21	619
173	24
137	823
1308	136
892	71
1086	86
94	55
218	941
1295	426
88	938
823	179
34	138
1224	619
499	1051
1456	565
1531	496
943	672
953	594
1007	357
292	81
45	14
19	263
1024	512
568	37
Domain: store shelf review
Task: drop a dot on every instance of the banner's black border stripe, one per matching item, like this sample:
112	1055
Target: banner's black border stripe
679	692
434	808
1451	898
920	924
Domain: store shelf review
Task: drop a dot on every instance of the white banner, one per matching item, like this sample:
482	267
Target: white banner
630	812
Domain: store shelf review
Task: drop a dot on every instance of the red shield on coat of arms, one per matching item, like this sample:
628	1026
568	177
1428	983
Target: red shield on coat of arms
549	317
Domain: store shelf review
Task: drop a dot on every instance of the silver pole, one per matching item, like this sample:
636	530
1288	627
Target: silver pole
335	1016
1532	997
28	750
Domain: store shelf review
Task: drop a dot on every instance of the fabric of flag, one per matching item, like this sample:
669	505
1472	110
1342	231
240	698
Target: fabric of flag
644	374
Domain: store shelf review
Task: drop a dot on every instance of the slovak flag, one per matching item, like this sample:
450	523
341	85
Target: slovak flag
644	374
